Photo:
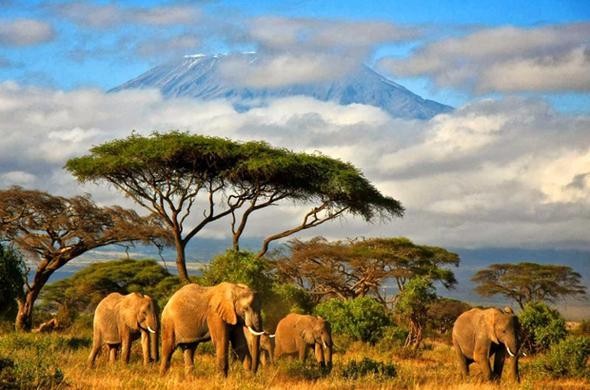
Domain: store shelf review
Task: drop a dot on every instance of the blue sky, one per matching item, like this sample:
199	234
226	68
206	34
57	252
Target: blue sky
74	53
509	167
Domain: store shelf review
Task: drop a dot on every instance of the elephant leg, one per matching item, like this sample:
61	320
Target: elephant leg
483	360
145	347
319	355
113	353
167	348
303	352
463	363
241	347
189	358
499	358
125	347
96	344
220	337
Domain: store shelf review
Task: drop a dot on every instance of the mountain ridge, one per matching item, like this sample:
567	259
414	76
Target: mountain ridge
199	76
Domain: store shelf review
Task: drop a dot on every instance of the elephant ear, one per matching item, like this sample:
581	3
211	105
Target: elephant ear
490	322
222	302
307	335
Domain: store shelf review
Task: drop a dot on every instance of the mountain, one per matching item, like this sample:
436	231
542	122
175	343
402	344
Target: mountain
199	76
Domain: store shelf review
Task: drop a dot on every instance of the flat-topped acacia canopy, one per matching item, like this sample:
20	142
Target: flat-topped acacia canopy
165	172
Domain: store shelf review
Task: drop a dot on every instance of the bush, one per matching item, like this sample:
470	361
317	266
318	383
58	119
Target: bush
13	275
31	364
568	358
361	318
355	370
541	327
393	338
295	369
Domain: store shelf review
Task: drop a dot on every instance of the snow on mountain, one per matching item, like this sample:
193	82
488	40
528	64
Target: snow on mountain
199	76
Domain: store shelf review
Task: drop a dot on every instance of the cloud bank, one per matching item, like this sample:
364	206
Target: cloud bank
25	32
508	172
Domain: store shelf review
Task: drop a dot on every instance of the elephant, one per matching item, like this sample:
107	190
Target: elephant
297	332
120	319
267	346
195	314
480	333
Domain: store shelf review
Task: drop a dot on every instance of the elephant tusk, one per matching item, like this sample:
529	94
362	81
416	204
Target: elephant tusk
509	352
255	333
325	346
270	335
523	354
151	330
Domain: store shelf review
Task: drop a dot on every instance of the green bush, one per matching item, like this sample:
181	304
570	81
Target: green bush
393	337
355	370
542	326
361	318
568	358
13	275
31	364
294	369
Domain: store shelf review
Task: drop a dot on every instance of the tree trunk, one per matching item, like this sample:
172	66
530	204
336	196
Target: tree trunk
24	316
181	259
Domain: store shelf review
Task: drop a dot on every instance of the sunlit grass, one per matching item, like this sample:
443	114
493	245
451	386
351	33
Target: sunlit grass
432	368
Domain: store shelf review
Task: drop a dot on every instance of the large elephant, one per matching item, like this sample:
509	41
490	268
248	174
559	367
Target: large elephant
195	314
120	319
479	334
296	333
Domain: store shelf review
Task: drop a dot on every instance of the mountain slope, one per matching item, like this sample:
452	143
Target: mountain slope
198	76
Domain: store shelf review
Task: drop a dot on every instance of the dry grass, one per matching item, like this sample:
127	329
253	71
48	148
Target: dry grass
434	368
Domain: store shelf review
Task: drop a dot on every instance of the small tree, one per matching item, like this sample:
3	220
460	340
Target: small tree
359	267
443	312
568	358
527	282
412	305
362	318
13	274
54	230
541	326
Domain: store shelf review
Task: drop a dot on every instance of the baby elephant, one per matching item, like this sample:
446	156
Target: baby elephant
297	332
120	319
267	346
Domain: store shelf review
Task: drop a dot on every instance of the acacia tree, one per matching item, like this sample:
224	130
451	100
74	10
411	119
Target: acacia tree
173	173
55	230
349	269
412	305
529	282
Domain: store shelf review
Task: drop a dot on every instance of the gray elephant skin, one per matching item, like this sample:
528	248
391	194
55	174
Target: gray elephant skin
479	334
297	333
220	313
120	319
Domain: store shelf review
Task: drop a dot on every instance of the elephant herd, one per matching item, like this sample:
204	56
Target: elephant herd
225	314
230	313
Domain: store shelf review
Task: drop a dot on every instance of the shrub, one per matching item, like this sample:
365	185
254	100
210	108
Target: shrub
361	318
568	358
13	275
355	370
31	364
393	338
295	369
541	327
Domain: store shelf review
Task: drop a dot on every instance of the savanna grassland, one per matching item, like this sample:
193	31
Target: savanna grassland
58	361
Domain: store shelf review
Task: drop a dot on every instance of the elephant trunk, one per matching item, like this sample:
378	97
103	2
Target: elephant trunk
328	352
154	351
254	323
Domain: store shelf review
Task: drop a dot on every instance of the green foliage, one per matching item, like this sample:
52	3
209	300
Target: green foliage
361	318
13	275
542	326
355	370
393	337
31	363
415	299
568	358
239	267
80	293
294	369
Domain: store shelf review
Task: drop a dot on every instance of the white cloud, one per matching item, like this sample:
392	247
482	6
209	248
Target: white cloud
25	32
505	59
509	172
104	16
